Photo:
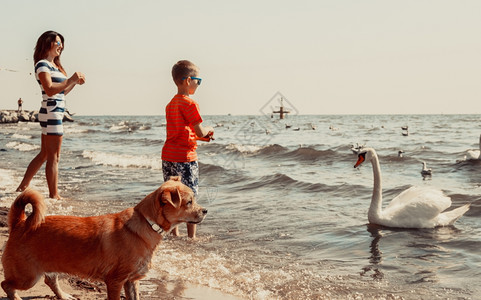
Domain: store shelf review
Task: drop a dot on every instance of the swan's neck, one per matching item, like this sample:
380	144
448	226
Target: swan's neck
376	201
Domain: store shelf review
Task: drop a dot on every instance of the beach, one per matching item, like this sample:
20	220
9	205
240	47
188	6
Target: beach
287	211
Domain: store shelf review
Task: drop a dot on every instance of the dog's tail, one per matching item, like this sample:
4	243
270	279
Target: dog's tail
17	210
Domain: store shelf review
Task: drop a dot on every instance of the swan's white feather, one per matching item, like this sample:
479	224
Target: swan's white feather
449	217
416	207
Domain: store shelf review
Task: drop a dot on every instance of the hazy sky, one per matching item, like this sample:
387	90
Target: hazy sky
325	57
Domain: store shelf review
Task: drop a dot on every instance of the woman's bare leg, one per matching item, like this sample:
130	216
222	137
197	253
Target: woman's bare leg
34	166
53	145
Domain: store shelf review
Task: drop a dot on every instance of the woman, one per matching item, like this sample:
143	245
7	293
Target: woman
54	84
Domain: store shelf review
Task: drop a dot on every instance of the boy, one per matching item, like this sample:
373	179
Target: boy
179	156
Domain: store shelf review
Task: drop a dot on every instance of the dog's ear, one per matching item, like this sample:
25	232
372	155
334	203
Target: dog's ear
171	196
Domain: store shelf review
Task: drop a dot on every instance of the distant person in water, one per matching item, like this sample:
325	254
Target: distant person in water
184	128
54	85
20	102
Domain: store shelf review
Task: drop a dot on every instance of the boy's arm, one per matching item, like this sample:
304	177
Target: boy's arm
203	132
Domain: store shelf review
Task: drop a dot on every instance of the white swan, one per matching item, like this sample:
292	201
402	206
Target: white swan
416	207
474	154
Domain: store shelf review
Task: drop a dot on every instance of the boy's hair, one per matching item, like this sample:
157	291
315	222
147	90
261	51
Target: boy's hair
183	68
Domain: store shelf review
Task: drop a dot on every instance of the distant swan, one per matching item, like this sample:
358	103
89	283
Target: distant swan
474	154
416	207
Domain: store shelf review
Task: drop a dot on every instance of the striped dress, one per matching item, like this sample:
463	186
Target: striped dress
53	107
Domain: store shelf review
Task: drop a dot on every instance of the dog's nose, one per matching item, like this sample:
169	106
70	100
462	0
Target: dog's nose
204	211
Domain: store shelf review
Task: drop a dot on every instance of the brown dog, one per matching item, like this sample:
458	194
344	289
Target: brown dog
115	248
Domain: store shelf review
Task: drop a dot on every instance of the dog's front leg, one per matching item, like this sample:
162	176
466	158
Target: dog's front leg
132	290
51	279
114	288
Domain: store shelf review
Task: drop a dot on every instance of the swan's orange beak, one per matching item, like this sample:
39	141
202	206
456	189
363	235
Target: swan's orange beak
360	159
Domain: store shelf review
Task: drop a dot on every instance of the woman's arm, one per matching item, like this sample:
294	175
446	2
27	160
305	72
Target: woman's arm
52	88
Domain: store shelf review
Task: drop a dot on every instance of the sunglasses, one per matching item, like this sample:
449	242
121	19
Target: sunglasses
199	80
58	43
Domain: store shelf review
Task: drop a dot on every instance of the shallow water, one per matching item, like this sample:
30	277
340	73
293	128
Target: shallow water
287	210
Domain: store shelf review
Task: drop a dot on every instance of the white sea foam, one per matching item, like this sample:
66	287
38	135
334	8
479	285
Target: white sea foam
123	160
73	130
7	178
244	148
122	126
180	261
186	261
22	146
21	136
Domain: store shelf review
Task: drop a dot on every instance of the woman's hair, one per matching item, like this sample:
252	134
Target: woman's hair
44	44
183	68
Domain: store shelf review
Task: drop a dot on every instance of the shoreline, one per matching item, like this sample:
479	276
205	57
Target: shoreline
150	288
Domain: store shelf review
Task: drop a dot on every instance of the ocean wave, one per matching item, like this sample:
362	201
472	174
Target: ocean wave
23	147
138	142
89	124
275	150
210	169
308	153
119	127
272	149
280	181
232	148
7	178
21	136
218	265
245	149
123	160
127	126
222	176
76	130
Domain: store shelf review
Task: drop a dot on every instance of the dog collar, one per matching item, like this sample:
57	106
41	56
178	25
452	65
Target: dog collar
155	227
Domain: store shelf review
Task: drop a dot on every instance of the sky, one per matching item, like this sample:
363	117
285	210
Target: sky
323	57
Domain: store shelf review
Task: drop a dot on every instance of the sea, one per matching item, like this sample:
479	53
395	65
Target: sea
287	210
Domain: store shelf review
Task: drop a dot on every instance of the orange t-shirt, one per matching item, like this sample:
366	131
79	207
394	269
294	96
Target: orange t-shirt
182	113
